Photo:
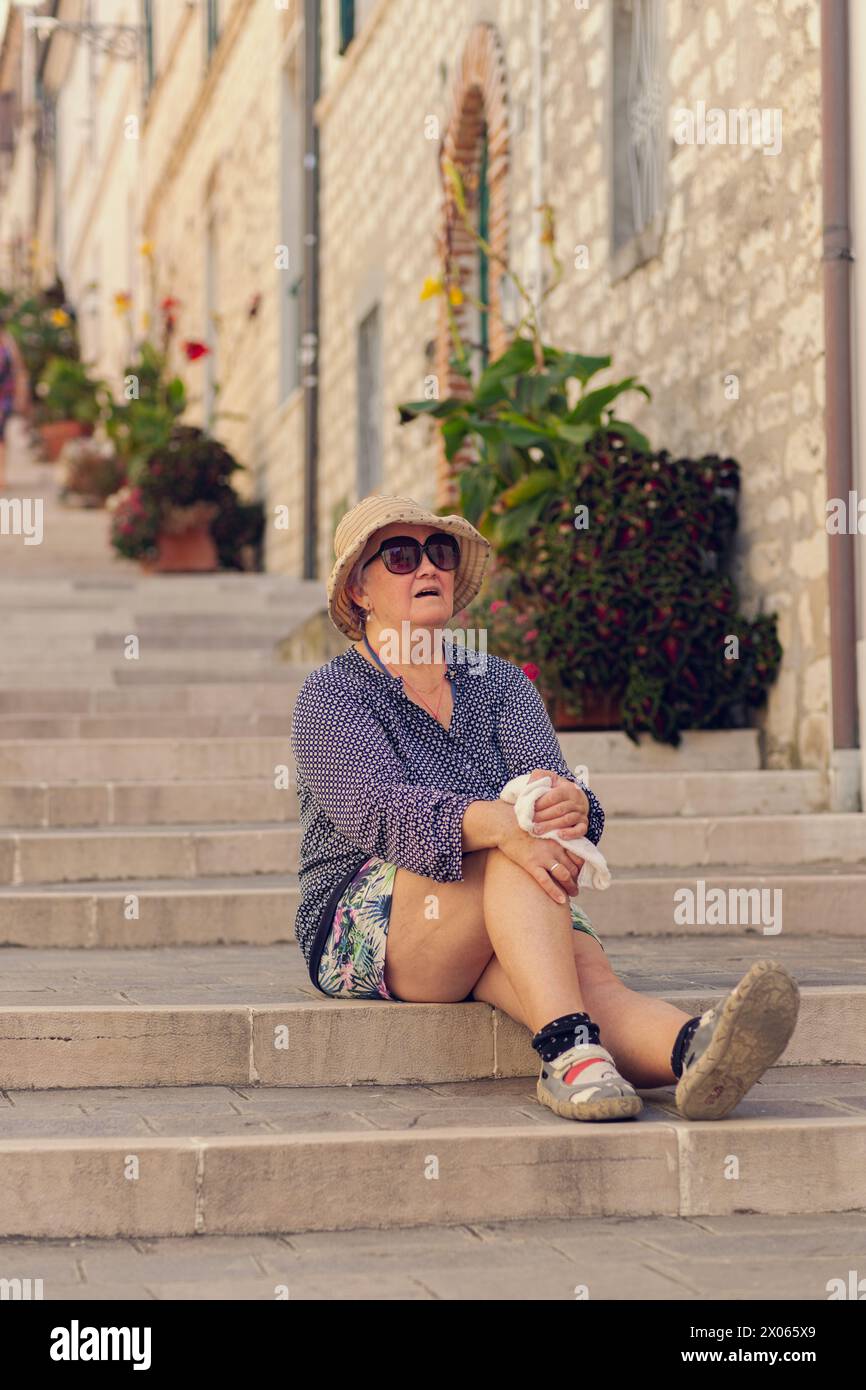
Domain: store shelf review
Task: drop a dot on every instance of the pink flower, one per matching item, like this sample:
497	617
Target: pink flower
531	635
530	669
497	604
522	618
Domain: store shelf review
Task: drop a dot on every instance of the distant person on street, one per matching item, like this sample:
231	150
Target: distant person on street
418	884
14	388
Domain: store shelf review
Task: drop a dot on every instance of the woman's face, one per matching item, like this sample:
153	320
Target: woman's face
397	597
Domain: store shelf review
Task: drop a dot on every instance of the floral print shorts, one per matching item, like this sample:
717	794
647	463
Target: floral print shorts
352	963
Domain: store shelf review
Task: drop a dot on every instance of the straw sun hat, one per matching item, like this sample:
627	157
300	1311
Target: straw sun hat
358	525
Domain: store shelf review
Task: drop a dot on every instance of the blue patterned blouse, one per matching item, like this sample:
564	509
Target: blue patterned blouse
378	775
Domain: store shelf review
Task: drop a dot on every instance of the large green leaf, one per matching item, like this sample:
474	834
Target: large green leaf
574	364
438	409
454	431
590	406
630	435
478	488
540	480
493	384
513	526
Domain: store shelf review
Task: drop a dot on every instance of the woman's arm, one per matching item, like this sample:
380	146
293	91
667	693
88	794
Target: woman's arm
528	741
351	768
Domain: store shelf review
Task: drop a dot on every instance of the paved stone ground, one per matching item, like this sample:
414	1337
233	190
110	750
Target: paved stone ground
685	1259
277	974
84	548
821	1092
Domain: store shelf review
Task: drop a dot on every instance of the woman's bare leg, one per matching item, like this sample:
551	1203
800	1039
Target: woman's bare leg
510	944
638	1030
497	907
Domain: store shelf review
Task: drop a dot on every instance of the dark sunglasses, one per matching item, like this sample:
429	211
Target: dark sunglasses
402	554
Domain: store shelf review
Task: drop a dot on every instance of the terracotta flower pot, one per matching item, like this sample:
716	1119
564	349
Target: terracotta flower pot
601	710
192	550
55	433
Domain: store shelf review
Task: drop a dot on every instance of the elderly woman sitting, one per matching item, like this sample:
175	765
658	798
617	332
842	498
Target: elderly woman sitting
417	882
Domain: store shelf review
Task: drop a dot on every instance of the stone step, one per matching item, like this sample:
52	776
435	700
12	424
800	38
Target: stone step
206	697
631	1259
700	750
148	673
74	726
52	855
147	852
627	795
239	1016
768	902
239	1160
117	759
29	805
168	759
700	841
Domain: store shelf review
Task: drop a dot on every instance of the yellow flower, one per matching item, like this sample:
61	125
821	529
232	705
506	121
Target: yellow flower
145	321
122	301
146	248
455	295
59	318
432	287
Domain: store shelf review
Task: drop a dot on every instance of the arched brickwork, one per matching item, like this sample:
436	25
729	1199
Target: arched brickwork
479	95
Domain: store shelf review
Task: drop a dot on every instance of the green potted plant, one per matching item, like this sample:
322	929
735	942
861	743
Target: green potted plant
90	471
621	608
607	583
68	403
142	420
172	498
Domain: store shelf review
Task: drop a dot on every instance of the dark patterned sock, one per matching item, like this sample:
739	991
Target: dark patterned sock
684	1037
562	1033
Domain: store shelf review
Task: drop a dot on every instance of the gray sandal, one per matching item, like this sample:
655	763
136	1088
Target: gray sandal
584	1084
736	1041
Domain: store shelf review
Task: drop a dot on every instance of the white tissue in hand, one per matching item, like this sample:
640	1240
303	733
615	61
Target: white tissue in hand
522	795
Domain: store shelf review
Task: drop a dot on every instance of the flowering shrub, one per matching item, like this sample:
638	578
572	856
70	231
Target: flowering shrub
135	524
181	484
635	602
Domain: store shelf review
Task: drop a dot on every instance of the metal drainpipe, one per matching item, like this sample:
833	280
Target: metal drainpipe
537	173
310	342
837	258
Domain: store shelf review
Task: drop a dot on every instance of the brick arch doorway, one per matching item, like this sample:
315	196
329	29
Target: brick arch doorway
477	142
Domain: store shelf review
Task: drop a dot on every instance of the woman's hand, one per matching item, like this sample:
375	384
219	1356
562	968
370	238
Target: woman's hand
536	857
564	808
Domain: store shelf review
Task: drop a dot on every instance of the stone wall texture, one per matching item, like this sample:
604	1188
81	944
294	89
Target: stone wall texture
734	291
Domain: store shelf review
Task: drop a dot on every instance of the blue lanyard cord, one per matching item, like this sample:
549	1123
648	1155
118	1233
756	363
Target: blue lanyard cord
375	657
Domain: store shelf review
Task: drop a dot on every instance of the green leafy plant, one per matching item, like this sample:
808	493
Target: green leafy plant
530	430
67	391
622	590
42	327
144	422
182	483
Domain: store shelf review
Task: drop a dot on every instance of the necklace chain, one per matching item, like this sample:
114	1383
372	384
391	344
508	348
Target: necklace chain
384	665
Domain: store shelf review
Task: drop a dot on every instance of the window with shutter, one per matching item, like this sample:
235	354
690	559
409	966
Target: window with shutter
639	141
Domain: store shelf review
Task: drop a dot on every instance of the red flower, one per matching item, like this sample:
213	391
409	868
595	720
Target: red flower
530	669
531	635
169	303
497	604
195	350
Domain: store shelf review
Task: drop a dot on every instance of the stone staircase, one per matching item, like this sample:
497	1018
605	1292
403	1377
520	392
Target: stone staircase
167	1068
157	1016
